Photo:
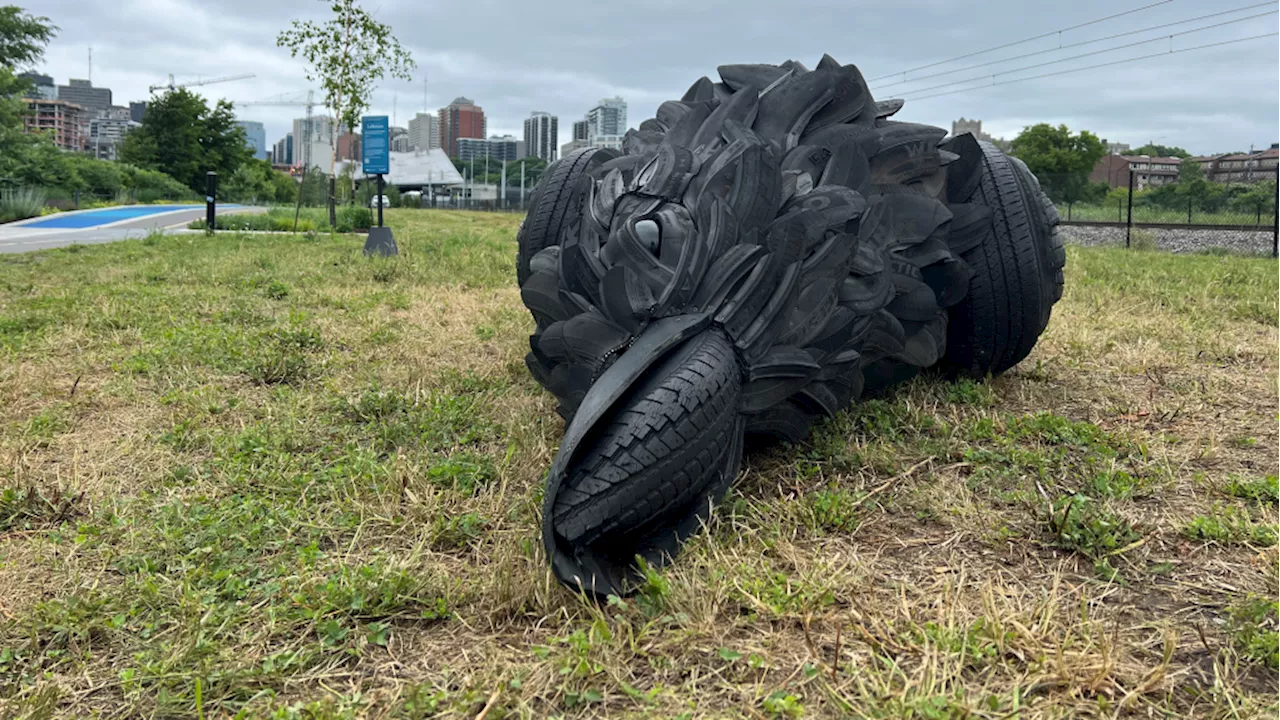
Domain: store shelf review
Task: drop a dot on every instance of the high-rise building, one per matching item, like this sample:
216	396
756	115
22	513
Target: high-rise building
424	132
107	131
83	93
398	138
349	146
255	137
542	135
137	110
496	148
461	119
607	118
313	146
283	153
67	123
581	130
42	86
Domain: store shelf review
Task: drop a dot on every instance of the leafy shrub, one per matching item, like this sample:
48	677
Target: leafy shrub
149	186
352	217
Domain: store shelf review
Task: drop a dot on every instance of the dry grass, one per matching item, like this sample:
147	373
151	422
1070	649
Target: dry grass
269	478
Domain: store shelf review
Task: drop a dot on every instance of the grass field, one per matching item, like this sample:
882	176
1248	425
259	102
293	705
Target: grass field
1150	214
266	477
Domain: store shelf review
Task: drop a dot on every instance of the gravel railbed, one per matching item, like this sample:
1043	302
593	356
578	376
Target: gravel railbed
1175	240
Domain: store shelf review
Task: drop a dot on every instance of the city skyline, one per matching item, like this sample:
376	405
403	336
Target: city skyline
1216	100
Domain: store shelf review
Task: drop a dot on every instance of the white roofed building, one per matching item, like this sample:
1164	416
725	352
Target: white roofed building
418	169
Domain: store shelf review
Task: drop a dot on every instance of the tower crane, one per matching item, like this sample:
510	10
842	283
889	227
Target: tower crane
171	85
288	101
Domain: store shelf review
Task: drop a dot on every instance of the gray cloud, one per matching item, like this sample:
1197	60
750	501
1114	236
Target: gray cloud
561	57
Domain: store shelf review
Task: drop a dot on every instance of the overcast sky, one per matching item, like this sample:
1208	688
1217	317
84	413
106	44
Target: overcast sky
564	55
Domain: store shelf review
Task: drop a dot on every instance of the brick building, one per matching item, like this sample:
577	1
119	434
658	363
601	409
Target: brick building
462	118
1148	171
1244	167
67	122
349	146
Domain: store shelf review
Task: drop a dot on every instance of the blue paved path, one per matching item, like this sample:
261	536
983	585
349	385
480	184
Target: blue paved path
106	216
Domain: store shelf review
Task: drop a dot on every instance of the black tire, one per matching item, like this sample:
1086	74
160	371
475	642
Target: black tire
665	445
555	202
1017	272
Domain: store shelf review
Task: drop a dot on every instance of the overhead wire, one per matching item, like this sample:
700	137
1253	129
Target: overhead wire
1088	54
1073	45
1094	67
1021	42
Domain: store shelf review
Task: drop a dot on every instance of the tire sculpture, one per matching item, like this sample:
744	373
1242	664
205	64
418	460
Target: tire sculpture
762	253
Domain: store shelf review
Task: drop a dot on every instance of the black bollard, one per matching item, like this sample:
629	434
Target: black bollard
210	201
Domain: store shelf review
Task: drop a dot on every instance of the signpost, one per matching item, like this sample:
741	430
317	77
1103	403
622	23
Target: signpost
375	146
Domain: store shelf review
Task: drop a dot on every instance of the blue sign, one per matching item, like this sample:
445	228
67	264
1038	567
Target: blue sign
375	144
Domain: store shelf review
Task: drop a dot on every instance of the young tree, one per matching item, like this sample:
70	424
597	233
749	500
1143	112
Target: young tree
1061	160
22	41
182	136
347	55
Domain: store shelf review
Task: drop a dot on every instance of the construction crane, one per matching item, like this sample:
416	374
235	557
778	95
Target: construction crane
174	86
287	101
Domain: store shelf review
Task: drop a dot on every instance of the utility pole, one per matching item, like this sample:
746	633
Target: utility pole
503	196
522	184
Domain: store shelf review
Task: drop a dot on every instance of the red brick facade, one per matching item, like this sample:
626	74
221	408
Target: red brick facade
461	119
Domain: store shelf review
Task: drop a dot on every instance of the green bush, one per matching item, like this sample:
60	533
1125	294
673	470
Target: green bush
149	186
274	220
353	217
21	203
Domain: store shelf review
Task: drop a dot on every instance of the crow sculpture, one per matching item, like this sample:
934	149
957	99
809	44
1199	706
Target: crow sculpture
761	254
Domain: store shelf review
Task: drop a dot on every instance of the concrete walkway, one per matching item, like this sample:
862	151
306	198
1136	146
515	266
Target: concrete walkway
103	225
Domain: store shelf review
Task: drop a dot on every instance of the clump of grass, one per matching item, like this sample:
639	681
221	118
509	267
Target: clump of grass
1252	625
21	203
1230	525
283	356
457	532
1086	526
27	508
1258	489
1144	240
833	510
464	473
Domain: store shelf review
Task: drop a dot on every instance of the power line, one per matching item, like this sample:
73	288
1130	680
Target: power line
1020	42
1079	44
1090	54
1099	65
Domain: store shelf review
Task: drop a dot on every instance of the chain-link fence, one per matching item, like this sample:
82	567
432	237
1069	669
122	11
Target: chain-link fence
1167	214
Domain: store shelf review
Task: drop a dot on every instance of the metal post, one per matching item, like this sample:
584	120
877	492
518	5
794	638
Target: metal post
1188	211
1069	206
1275	225
522	186
1128	226
379	199
1119	210
503	200
210	201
